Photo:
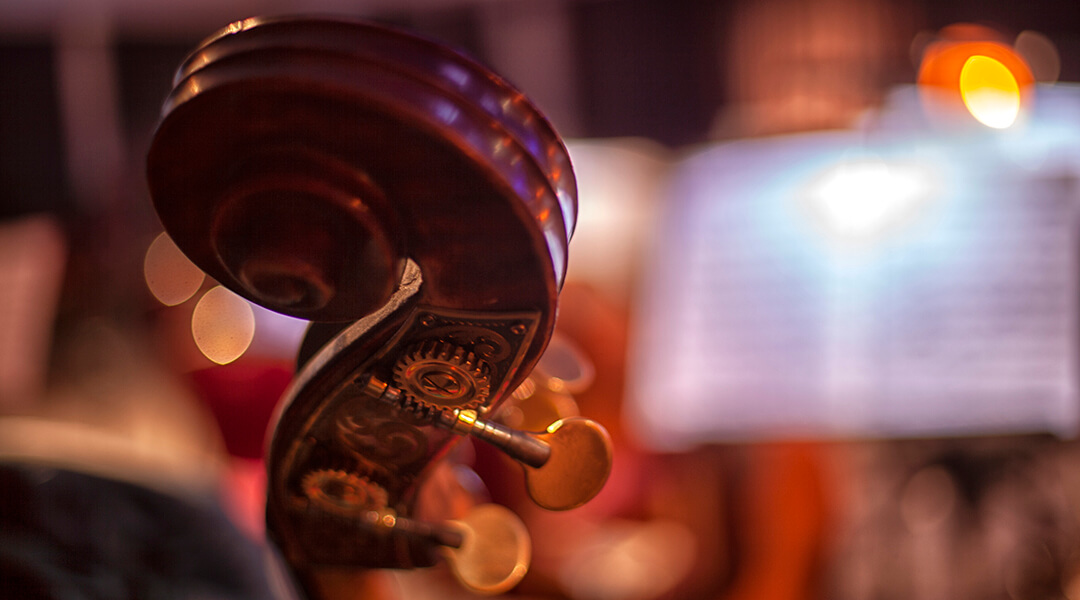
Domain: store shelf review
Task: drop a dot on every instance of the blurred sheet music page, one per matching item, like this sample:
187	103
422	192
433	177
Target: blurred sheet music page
778	304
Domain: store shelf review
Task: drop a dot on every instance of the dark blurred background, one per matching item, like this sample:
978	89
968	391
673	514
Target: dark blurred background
615	68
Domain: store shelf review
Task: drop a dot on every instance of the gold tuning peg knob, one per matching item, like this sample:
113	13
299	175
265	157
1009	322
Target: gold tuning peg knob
578	467
495	550
565	466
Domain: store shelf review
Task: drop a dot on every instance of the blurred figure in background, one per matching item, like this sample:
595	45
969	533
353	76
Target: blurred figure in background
111	472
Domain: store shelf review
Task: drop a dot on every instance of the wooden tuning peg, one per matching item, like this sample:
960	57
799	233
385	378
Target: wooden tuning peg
565	466
495	550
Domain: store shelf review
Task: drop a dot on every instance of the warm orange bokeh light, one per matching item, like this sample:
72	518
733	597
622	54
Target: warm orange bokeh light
993	88
171	277
990	92
223	325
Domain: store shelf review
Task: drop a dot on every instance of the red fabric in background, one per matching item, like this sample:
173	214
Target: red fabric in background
242	397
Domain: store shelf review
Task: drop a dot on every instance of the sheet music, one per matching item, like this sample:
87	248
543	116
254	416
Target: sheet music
754	324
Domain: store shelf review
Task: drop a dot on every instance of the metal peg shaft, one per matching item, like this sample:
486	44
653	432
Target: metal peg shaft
565	466
521	446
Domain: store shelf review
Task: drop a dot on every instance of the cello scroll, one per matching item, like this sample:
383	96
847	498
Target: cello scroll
416	208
